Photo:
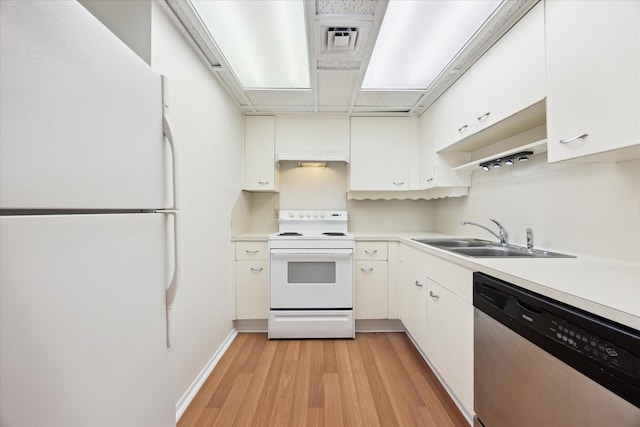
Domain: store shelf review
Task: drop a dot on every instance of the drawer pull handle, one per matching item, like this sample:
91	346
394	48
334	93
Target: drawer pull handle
368	252
434	296
462	128
484	116
398	183
255	251
257	270
429	179
263	182
366	270
575	138
418	284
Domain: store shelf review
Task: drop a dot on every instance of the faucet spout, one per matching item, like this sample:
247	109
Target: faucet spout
502	234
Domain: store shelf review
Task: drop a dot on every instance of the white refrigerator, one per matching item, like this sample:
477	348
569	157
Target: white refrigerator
88	225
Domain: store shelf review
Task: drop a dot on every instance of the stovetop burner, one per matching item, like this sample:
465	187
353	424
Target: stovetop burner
290	233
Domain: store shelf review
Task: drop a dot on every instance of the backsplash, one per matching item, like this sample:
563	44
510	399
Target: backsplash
591	209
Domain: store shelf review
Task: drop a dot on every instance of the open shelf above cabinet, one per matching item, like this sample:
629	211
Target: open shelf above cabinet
535	147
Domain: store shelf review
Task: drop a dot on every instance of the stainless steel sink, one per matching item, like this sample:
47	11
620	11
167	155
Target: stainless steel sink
477	248
455	243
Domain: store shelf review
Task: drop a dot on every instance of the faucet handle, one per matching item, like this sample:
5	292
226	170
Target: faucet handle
529	239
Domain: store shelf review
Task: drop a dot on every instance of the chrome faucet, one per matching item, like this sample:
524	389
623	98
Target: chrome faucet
502	235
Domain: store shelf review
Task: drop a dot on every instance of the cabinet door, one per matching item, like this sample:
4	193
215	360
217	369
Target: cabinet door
508	78
449	338
252	284
593	77
371	289
259	154
413	303
380	153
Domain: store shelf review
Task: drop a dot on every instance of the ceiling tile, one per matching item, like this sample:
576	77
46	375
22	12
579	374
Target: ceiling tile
338	64
280	97
335	87
345	7
388	98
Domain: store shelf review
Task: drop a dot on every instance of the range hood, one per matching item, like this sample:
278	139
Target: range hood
313	157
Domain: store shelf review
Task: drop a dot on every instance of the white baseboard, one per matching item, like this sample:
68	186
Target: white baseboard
195	386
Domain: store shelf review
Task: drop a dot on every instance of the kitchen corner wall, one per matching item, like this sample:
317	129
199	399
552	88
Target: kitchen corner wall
591	209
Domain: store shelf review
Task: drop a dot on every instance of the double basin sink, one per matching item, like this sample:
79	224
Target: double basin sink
477	248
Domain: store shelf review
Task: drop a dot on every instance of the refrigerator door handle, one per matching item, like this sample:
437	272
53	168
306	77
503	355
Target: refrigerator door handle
166	129
172	289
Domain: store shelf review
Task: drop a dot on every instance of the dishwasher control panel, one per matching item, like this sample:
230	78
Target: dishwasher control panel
592	346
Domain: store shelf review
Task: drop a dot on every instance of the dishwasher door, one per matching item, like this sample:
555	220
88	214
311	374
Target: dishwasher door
516	383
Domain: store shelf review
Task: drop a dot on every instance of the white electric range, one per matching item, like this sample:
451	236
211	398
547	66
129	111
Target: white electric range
311	290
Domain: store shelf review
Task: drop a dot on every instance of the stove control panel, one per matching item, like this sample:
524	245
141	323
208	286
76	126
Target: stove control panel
313	215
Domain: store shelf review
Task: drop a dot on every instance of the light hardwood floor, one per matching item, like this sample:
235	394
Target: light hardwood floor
378	379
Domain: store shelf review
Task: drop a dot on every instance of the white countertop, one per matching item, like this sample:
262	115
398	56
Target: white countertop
605	287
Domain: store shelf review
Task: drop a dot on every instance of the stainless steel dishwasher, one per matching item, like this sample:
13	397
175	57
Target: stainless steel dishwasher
539	362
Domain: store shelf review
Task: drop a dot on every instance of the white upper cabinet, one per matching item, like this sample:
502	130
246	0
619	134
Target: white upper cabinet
259	150
504	81
593	79
380	153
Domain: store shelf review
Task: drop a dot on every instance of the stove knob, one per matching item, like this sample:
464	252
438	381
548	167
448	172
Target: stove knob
291	214
322	215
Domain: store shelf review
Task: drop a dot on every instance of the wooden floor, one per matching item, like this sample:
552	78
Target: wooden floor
378	379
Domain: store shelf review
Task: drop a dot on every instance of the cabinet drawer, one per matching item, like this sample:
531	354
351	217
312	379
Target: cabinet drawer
252	250
371	251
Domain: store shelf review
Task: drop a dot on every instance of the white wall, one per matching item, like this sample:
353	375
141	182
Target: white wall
208	128
130	21
577	208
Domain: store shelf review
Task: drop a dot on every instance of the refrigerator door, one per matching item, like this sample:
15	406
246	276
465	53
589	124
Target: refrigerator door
82	320
81	114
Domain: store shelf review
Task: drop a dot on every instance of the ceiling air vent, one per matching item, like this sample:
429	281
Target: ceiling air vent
341	39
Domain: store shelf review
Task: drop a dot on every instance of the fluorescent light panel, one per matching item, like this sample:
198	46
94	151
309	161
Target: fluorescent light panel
265	42
418	38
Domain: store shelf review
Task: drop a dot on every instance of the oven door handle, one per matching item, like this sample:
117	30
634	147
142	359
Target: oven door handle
328	253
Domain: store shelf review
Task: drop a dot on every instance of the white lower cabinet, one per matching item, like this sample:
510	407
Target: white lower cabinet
371	280
439	318
252	284
413	303
371	289
450	340
251	280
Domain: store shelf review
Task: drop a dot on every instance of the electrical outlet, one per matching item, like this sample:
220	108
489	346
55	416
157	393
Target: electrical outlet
276	212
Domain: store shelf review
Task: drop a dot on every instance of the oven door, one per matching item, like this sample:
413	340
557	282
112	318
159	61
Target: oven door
311	279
